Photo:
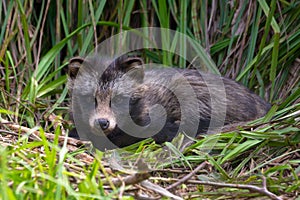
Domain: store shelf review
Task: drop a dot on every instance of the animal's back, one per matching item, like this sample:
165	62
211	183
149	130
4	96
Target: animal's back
197	102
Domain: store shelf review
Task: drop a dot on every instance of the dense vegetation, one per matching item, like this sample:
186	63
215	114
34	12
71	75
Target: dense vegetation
255	42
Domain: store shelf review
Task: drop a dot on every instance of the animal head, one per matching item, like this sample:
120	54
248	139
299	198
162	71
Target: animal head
110	84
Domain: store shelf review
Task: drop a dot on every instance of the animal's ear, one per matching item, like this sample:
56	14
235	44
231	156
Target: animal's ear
133	66
74	66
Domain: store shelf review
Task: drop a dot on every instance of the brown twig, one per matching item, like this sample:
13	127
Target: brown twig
160	190
187	177
261	190
130	179
122	189
41	33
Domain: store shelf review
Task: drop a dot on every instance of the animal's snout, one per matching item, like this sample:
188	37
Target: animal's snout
104	123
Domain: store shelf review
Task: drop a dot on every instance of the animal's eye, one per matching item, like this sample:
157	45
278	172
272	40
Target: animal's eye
96	103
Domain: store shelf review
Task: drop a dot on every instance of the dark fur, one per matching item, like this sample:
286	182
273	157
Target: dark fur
144	89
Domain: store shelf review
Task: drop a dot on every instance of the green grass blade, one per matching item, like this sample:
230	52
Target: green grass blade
242	147
25	31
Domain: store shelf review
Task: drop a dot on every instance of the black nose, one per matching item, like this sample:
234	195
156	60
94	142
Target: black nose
104	123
